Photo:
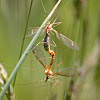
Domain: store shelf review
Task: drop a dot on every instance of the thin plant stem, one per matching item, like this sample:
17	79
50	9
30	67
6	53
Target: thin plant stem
27	51
24	36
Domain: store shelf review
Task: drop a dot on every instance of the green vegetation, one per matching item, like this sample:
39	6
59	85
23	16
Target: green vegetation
80	22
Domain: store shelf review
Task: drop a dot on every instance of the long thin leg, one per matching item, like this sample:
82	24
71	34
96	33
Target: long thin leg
32	83
54	44
56	66
39	59
41	42
52	87
50	44
54	78
32	69
51	90
57	23
35	46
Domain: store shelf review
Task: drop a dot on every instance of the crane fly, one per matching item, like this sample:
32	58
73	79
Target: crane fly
49	28
68	72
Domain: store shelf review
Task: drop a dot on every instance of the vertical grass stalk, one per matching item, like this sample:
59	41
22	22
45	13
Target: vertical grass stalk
24	36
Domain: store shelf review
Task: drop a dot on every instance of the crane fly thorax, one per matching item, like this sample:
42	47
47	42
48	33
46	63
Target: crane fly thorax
48	27
48	72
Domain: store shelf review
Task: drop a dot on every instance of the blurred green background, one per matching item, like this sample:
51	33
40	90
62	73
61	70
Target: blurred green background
80	22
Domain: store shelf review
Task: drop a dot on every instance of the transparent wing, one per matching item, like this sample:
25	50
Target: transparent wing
32	32
68	72
40	56
68	42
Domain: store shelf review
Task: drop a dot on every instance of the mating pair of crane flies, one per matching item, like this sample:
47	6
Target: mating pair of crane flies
39	54
48	29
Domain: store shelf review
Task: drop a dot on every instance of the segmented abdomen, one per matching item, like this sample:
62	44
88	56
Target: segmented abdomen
46	43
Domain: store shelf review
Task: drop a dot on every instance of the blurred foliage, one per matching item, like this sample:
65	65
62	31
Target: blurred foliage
80	22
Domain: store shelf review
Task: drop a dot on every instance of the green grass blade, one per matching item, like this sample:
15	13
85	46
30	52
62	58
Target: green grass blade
24	36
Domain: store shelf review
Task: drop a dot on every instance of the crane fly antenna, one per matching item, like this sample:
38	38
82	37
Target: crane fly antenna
57	16
43	8
59	13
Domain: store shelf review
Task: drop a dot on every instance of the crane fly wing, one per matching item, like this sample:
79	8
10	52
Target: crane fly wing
68	72
32	32
39	55
66	41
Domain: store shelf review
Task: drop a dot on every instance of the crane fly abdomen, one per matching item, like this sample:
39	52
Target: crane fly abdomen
46	43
